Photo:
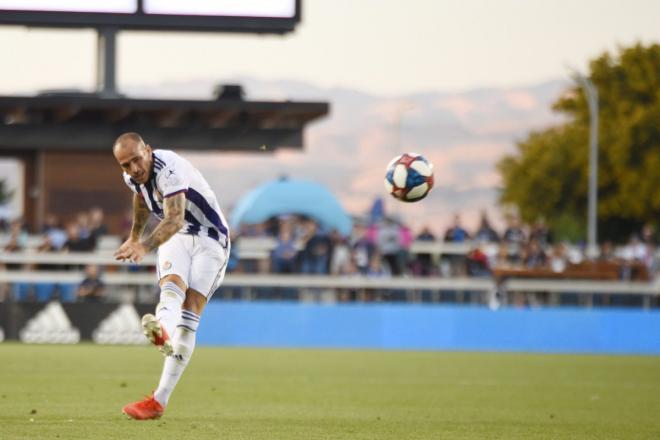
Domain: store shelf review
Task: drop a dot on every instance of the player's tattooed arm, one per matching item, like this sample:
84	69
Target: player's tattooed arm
174	209
140	217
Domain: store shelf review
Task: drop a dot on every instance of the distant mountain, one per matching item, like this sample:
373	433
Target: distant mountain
462	133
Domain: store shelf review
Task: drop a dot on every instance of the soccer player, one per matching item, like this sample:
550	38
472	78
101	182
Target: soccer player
192	243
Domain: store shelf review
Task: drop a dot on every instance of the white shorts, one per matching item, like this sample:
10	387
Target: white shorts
200	261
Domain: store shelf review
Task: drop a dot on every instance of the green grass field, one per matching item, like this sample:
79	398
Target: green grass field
76	392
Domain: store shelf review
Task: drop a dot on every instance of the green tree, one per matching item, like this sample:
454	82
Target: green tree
548	175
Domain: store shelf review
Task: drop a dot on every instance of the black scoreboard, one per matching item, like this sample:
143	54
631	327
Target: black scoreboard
253	16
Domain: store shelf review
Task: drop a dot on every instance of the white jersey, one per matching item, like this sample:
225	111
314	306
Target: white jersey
172	174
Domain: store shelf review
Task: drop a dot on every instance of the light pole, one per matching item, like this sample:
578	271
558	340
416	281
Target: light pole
592	99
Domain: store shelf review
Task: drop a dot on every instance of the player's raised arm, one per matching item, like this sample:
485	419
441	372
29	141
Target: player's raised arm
128	250
141	215
174	211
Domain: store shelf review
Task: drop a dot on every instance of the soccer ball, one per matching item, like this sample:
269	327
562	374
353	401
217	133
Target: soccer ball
409	177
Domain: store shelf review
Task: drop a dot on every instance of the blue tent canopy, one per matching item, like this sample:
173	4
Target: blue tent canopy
292	197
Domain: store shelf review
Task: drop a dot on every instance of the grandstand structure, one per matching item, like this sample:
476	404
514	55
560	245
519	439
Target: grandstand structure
63	137
64	141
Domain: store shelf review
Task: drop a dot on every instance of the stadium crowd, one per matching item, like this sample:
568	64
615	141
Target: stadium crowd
380	248
383	248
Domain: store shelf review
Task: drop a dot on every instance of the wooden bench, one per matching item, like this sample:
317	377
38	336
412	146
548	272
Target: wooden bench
587	270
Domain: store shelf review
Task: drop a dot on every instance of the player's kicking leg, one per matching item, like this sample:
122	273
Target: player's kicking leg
158	328
183	342
157	334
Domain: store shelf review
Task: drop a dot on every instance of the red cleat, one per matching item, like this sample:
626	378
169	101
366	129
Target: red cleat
157	334
146	409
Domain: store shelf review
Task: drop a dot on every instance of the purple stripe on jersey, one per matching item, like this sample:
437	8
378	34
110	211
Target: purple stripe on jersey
194	227
154	206
135	185
192	220
209	212
174	193
158	161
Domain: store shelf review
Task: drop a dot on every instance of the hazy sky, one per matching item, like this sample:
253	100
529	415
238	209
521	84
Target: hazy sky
385	47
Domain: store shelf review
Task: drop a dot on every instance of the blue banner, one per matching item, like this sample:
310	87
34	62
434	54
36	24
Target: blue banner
430	327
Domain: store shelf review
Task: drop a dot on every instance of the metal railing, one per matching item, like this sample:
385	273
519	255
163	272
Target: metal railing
489	289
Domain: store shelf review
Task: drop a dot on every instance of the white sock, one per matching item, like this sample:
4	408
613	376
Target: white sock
168	310
183	343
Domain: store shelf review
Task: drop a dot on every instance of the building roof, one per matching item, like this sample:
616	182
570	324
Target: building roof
79	122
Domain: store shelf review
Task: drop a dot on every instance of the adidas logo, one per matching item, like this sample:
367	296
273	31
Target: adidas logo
123	326
50	326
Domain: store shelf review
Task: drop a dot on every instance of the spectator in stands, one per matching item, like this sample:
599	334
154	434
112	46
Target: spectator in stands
648	235
635	250
362	249
405	241
533	255
84	229
424	261
50	222
607	252
17	241
91	288
54	235
456	232
341	254
285	252
455	264
654	263
634	253
376	268
486	233
514	237
316	250
300	227
75	242
558	259
96	224
351	271
541	233
389	246
477	263
502	260
17	236
425	234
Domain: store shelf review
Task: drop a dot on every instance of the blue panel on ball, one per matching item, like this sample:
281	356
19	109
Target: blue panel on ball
414	178
390	175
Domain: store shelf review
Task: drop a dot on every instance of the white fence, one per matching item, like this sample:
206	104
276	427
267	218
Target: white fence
487	288
257	248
